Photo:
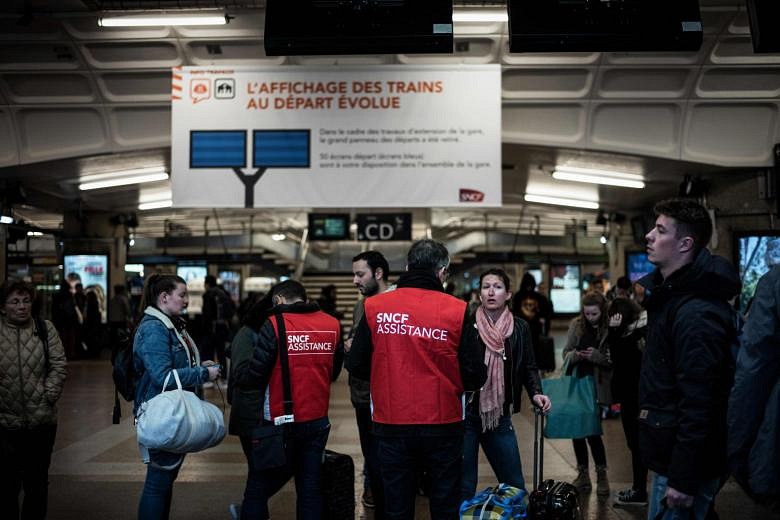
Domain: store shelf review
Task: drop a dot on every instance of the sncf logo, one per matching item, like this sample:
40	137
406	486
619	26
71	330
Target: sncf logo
467	195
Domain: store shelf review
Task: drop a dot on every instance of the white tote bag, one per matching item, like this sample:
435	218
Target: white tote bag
179	422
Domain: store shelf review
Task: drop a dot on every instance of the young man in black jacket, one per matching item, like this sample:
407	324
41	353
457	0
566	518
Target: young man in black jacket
687	369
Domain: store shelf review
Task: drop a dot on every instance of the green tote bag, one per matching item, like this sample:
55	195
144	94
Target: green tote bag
575	413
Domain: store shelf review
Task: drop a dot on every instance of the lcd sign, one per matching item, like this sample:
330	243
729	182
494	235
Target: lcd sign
328	227
384	227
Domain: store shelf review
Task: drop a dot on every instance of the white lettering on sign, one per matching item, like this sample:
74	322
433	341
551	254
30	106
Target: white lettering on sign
392	317
395	323
311	342
383	231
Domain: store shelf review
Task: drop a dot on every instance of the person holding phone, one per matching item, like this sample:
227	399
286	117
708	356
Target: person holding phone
587	354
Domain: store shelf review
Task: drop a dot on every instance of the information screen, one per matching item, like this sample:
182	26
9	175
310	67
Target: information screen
328	227
281	149
638	266
217	149
565	293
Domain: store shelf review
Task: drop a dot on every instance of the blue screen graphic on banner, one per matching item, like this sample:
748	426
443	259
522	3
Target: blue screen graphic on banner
218	149
281	149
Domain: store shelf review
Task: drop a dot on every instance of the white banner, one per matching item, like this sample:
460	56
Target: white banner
391	136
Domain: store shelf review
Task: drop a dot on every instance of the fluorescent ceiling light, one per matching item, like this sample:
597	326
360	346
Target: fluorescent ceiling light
34	234
561	201
155	196
155	204
597	176
480	16
156	20
5	219
278	237
122	178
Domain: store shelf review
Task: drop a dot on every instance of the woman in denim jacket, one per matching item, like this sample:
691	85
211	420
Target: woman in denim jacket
162	344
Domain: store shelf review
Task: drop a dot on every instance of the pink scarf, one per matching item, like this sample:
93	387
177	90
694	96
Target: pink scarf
491	397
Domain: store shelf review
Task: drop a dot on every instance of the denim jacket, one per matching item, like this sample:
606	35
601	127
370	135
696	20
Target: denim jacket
157	349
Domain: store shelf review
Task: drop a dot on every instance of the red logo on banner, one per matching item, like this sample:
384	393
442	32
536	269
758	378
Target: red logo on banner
200	89
467	195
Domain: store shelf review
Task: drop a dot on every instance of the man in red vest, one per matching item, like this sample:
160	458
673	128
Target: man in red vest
408	346
315	354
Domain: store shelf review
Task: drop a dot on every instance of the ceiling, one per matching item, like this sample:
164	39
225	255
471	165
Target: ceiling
654	113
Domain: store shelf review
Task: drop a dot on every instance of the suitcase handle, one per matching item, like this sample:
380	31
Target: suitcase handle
538	447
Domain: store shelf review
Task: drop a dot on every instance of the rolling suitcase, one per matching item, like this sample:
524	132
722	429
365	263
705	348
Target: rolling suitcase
338	486
550	500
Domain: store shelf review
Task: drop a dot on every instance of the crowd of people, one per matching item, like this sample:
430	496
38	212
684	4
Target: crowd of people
432	378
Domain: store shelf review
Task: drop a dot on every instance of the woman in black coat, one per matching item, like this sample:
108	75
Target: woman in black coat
505	343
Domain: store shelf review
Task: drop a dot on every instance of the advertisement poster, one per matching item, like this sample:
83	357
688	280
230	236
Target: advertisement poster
93	269
401	136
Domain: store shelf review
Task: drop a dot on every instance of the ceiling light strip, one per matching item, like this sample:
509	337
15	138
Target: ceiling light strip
598	172
123	181
155	205
595	179
122	173
495	16
162	20
561	201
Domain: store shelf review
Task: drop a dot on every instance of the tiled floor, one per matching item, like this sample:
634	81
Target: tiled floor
96	472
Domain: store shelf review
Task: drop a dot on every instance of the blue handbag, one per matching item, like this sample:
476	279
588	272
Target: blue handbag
575	413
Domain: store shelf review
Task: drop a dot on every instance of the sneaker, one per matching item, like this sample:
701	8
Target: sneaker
235	511
368	499
630	497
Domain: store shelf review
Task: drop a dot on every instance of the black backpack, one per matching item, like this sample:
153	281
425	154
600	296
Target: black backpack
123	372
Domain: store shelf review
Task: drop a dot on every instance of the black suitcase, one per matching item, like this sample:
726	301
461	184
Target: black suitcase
550	500
545	354
338	486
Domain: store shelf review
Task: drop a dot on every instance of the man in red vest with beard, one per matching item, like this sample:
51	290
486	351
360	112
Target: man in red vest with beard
314	353
408	346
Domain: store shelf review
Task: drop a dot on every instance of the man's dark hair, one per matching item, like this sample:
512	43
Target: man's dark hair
692	220
375	260
289	290
210	280
428	255
624	282
20	286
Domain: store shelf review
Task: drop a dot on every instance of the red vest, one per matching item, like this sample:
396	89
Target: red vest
415	374
312	339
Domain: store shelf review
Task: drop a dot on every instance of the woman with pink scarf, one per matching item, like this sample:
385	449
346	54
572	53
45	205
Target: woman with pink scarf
508	352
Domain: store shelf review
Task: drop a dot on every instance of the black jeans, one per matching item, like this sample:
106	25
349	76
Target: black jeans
629	416
305	445
26	455
368	445
596	449
399	459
